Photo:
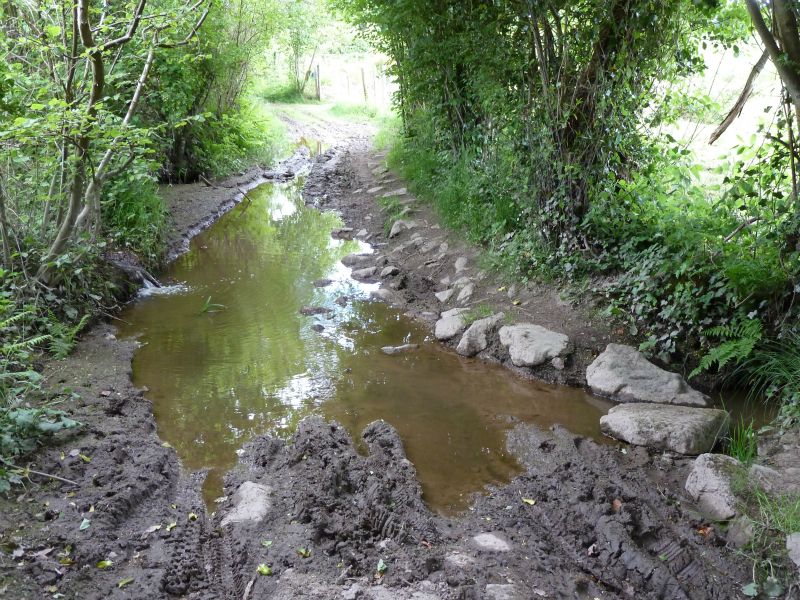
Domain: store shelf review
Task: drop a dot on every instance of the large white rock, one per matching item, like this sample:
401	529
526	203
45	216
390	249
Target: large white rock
530	345
622	373
680	429
250	503
709	485
475	338
451	324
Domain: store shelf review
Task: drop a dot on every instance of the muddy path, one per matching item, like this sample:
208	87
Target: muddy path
326	520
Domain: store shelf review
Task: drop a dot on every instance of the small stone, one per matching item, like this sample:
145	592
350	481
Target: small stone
389	271
343	233
341	301
793	548
557	363
318	327
357	260
354	592
395	193
461	264
313	310
501	591
512	290
709	485
466	293
459	560
392	350
491	542
531	345
399	226
375	189
320	283
365	273
445	295
362	233
475	338
450	324
250	503
385	295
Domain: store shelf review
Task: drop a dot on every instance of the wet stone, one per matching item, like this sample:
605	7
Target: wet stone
531	345
389	271
392	350
357	260
475	338
451	324
489	542
320	283
250	503
622	373
709	485
365	273
343	233
314	310
681	429
385	295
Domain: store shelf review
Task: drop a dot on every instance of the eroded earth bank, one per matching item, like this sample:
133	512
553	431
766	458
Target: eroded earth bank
317	516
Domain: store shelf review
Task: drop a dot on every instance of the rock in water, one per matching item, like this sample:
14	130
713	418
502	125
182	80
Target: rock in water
399	349
681	429
530	345
622	373
366	273
709	485
475	338
451	324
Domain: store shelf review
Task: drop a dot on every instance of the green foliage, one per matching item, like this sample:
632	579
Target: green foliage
773	517
773	371
743	442
739	341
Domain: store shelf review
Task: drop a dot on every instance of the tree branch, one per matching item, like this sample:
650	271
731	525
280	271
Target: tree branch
741	100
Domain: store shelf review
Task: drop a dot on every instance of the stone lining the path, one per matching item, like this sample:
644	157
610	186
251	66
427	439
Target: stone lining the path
532	345
681	429
623	374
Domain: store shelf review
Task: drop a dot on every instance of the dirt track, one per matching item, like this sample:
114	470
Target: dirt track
583	521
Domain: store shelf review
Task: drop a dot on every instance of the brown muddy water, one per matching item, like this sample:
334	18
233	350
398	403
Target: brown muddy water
226	355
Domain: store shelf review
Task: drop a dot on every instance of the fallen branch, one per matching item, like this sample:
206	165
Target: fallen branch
40	473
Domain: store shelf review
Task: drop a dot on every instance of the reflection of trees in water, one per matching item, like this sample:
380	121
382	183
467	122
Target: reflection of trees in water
219	378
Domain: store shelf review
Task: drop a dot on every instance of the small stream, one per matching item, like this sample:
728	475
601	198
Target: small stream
226	355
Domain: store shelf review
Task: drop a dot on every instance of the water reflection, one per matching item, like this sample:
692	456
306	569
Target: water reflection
257	365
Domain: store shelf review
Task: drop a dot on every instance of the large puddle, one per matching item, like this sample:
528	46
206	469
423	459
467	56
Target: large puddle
227	355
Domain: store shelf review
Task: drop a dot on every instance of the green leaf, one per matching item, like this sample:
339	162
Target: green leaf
266	543
123	582
750	590
381	568
105	564
85	524
304	552
264	569
53	31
